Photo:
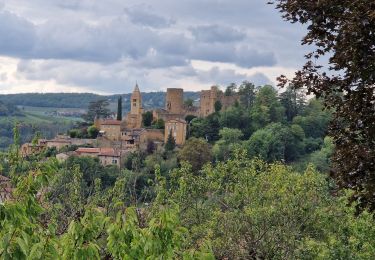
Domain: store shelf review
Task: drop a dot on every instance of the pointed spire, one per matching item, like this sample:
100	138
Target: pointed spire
136	88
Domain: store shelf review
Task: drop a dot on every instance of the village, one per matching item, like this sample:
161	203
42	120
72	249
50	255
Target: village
118	138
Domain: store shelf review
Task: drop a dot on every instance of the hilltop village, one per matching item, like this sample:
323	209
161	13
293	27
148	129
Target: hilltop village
118	138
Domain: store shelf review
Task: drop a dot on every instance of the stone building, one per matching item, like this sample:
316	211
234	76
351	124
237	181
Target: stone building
29	148
134	118
178	129
208	99
107	156
111	129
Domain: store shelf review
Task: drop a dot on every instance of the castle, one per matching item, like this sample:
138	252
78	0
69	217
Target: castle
129	131
118	138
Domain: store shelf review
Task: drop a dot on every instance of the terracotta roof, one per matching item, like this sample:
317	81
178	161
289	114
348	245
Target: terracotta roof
108	152
87	150
111	122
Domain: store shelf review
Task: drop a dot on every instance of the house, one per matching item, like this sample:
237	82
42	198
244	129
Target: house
176	127
107	156
111	129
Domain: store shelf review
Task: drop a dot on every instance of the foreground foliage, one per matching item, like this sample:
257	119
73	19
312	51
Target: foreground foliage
239	209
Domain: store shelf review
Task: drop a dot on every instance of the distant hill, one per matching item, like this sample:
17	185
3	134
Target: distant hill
9	110
82	100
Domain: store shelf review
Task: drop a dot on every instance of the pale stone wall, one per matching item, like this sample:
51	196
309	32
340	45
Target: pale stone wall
178	129
112	132
110	160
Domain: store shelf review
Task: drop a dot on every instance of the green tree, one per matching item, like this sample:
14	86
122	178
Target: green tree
277	142
171	142
147	118
294	102
343	34
230	90
249	210
119	109
189	102
93	131
197	152
97	109
218	106
159	124
247	92
230	139
266	109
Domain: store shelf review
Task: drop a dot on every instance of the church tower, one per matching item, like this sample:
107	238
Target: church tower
134	118
136	101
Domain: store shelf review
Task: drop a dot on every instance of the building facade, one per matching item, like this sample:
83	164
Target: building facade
177	127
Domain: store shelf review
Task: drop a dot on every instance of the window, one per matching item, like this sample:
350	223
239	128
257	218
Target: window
114	161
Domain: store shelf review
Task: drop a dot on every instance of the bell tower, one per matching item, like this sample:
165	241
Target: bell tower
136	101
134	118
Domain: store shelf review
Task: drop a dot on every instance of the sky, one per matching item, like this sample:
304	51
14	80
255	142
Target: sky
107	46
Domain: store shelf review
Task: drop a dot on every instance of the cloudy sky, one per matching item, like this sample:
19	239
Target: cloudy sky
105	46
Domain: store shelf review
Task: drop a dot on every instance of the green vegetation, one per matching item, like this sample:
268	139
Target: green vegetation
239	209
29	123
339	69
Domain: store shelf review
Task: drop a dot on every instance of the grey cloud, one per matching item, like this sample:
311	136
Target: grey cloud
156	60
220	76
216	33
259	79
243	56
142	16
17	35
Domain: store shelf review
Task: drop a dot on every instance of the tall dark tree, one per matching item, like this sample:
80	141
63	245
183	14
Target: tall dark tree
119	109
171	142
98	109
218	106
344	32
230	90
147	118
247	93
294	102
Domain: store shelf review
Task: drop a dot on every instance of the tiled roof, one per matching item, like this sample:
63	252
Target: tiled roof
108	152
87	150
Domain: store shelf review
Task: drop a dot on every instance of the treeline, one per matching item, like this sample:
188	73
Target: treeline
82	100
274	127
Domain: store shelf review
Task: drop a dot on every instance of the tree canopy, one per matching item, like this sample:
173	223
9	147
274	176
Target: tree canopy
343	32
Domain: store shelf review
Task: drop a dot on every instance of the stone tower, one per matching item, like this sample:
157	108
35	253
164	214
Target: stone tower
136	101
174	101
134	118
